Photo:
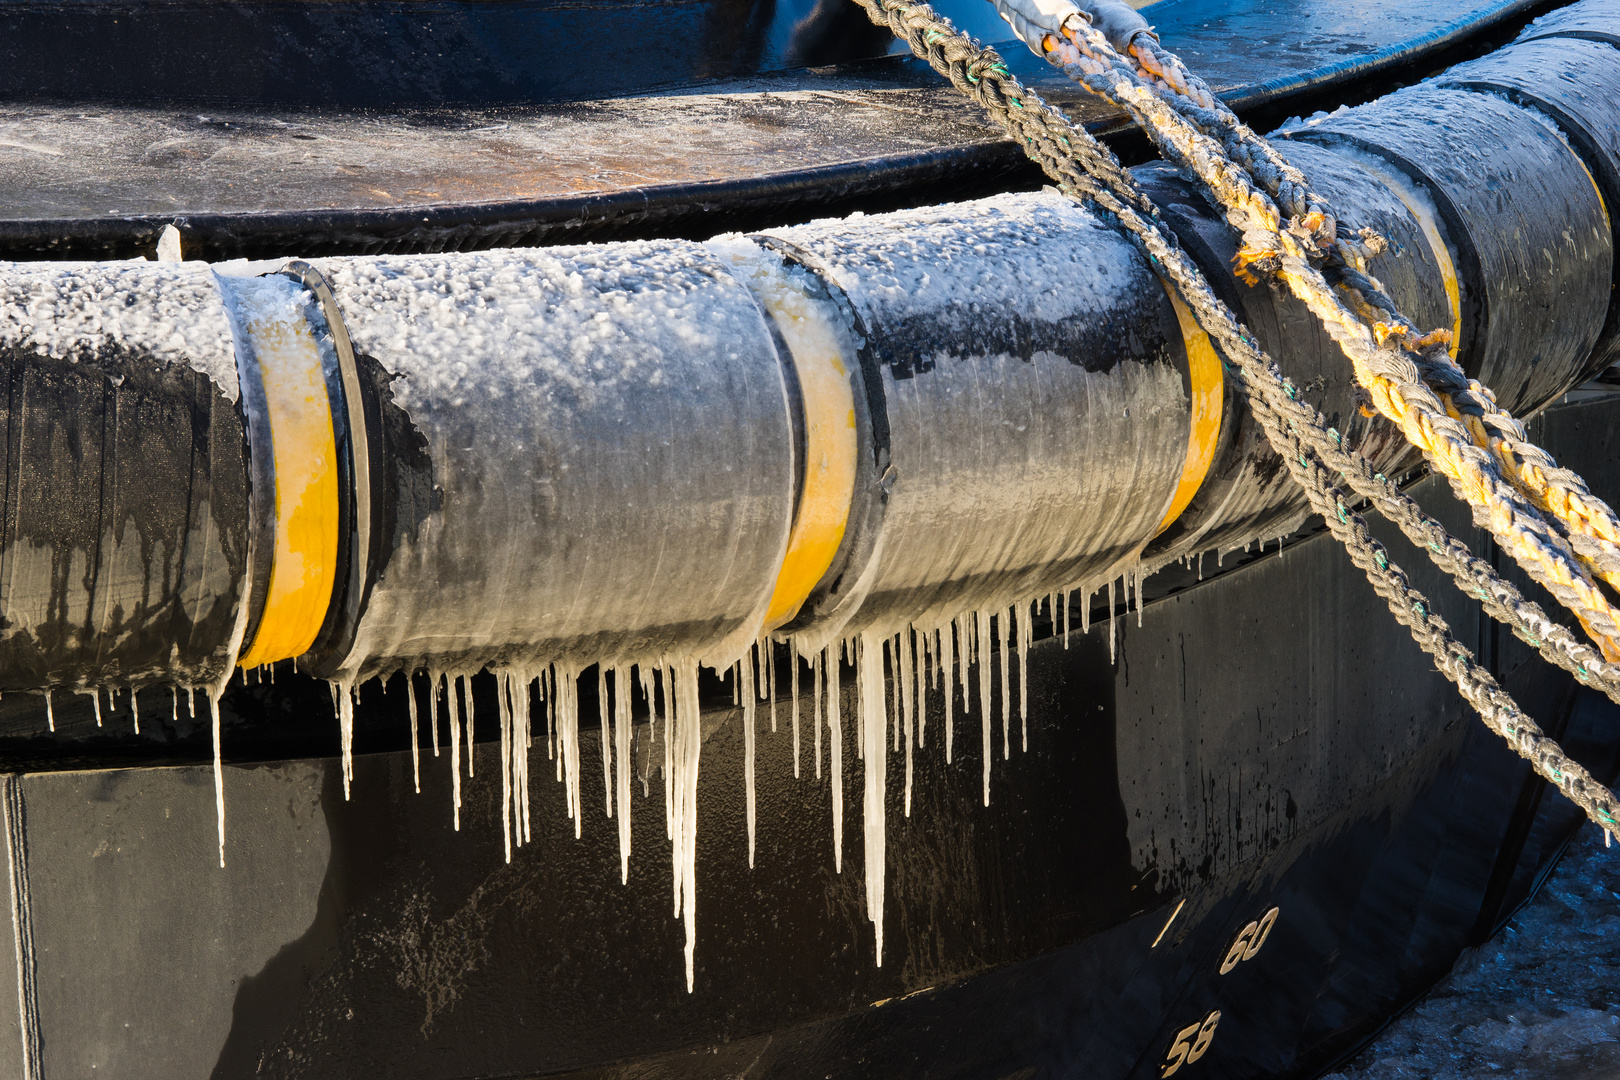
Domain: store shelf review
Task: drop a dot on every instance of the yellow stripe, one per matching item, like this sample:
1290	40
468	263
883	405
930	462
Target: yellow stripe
1602	203
304	451
830	440
1208	391
1418	207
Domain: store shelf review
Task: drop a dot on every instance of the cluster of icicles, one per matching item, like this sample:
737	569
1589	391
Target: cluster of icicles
894	672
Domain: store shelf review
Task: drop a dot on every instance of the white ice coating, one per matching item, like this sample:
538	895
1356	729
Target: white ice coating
996	492
510	364
171	312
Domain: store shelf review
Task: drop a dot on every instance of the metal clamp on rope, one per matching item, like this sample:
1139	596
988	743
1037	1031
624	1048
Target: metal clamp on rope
1034	20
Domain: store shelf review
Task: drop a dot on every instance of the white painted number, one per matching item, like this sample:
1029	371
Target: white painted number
1183	1052
1246	946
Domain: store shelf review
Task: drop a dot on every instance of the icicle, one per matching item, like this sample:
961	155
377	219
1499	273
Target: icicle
416	745
835	748
135	708
503	702
1026	630
927	662
848	647
939	654
949	679
689	735
896	700
1138	596
453	713
1068	602
95	700
817	667
735	675
1085	612
433	709
1110	620
50	713
652	727
981	653
565	695
550	672
770	677
607	737
525	742
1200	563
1005	619
921	704
907	719
869	676
345	711
745	672
621	738
1220	557
174	694
191	700
669	755
467	700
793	688
219	772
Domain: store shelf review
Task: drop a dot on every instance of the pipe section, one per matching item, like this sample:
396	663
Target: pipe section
1035	397
1248	494
1523	221
124	531
592	458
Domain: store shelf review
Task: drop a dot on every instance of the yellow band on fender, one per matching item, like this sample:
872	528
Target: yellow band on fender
818	358
1208	390
304	452
1422	211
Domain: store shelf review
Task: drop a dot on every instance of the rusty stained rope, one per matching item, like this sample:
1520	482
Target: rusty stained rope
1083	168
1544	516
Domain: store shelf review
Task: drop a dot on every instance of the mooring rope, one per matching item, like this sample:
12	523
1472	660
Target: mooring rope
1313	452
1412	380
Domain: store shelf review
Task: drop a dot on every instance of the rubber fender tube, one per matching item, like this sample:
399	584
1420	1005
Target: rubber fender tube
1594	20
1248	492
1532	246
1575	83
610	451
124	530
840	587
1037	394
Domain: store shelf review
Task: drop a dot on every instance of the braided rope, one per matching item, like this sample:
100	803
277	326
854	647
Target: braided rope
1083	168
1455	421
1589	525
